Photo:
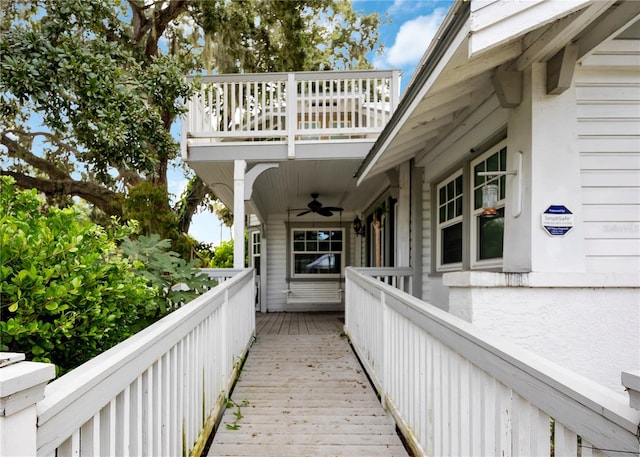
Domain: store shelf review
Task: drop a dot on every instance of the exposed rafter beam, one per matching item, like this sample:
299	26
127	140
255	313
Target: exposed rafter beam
618	18
559	34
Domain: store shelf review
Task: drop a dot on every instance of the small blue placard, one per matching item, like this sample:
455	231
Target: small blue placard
557	220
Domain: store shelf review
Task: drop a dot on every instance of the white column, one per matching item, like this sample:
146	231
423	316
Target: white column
403	236
239	167
544	128
21	387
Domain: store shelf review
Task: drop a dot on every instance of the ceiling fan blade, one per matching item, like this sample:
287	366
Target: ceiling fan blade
325	212
333	208
303	213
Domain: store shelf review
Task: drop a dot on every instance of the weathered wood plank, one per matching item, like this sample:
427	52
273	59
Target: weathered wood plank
303	392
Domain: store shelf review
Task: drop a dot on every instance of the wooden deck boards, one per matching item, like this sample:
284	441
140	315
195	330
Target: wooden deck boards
303	393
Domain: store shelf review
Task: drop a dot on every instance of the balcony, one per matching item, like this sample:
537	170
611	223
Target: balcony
449	388
283	112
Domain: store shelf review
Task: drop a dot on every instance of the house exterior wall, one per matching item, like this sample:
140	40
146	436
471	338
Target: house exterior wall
608	108
278	281
276	265
573	299
589	323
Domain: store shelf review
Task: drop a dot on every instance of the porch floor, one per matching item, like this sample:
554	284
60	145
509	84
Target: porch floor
302	392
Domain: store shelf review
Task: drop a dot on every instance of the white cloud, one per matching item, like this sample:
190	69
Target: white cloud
412	40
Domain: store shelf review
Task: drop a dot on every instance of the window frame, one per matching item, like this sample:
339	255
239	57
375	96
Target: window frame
293	253
476	183
440	226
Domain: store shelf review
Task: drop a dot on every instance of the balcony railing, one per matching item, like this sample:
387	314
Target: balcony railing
458	391
292	106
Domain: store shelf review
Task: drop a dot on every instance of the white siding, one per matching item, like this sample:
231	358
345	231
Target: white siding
426	242
277	285
276	266
609	134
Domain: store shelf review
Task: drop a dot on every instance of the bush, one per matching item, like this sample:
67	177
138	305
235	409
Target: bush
223	255
66	292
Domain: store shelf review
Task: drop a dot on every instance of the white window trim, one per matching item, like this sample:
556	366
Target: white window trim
442	225
475	213
311	275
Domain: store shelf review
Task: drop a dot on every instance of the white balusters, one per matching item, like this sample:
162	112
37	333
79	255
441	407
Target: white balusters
457	391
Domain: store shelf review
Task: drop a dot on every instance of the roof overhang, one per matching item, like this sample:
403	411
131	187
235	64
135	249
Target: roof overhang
477	44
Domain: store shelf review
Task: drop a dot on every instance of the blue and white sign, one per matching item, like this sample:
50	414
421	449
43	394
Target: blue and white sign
557	220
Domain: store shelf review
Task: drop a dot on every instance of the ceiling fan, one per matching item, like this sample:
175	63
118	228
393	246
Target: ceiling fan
316	207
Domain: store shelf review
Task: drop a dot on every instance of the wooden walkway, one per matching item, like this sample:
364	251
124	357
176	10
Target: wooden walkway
303	393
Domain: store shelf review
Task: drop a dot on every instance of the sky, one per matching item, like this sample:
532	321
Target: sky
410	27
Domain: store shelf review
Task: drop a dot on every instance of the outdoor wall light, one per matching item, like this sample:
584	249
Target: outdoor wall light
490	190
358	228
489	200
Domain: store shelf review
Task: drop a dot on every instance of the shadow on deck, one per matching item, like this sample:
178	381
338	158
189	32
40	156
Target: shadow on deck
302	392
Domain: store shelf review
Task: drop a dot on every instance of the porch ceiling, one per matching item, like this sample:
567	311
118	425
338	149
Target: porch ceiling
289	186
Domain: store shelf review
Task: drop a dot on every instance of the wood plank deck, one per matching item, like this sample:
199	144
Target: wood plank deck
302	392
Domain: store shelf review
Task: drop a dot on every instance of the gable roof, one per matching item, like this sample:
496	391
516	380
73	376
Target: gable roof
476	41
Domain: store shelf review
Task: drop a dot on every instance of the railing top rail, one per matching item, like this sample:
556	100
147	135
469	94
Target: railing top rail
298	76
124	361
574	395
384	271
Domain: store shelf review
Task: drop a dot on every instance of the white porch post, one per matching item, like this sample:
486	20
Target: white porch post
239	167
21	386
403	236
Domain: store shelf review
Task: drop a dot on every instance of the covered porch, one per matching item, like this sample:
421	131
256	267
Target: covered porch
450	388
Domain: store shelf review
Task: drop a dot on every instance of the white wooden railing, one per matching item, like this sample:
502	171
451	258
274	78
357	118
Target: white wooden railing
455	390
398	277
157	393
292	106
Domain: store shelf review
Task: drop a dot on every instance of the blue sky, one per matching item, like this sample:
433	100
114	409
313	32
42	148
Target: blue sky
412	25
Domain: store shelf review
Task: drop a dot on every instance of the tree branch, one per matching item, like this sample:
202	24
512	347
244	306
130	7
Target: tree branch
18	151
193	196
161	20
105	199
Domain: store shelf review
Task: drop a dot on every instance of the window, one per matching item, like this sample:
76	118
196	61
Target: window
317	252
255	251
487	237
450	211
456	210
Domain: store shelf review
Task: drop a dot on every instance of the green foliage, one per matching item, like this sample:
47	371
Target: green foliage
270	36
223	255
176	280
105	94
66	294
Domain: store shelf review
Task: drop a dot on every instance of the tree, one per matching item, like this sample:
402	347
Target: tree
66	294
90	90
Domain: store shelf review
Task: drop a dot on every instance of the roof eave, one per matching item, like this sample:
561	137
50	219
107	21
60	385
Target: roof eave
451	26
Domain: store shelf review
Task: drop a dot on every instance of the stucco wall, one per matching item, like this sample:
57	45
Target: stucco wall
594	331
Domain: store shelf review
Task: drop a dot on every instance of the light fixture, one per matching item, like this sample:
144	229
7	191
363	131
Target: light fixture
490	192
489	200
358	228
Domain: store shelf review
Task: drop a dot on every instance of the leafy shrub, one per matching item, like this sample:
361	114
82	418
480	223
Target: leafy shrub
223	255
66	292
176	280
